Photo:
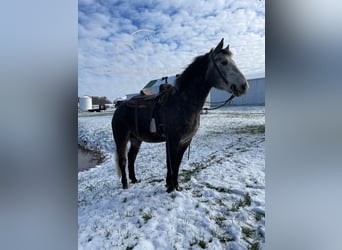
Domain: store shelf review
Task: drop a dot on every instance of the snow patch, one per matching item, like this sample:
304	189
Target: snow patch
222	205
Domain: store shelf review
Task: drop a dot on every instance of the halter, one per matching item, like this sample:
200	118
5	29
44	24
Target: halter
217	68
224	79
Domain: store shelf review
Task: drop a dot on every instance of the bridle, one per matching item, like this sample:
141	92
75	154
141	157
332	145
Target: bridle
217	68
224	79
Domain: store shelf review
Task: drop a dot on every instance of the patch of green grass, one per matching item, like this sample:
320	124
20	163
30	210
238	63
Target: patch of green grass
88	114
220	202
259	216
197	167
254	246
127	235
218	189
241	150
90	188
146	217
224	238
253	129
82	202
202	244
247	200
220	219
234	208
247	232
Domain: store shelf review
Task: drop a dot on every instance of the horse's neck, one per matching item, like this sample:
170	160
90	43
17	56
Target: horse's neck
195	95
192	85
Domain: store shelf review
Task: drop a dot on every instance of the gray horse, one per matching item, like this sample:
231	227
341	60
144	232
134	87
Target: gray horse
175	112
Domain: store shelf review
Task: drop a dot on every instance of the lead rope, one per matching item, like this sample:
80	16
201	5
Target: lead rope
136	118
168	156
189	151
229	100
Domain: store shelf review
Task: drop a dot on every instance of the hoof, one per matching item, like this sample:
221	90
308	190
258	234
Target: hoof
125	186
173	188
178	188
135	181
170	189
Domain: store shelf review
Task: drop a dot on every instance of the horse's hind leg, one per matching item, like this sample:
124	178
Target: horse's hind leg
121	149
132	155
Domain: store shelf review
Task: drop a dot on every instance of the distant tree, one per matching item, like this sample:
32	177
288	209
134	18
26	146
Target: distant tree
97	100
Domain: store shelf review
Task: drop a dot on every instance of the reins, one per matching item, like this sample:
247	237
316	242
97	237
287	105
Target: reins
228	101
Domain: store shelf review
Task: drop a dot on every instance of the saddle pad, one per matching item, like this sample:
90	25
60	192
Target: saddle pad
141	101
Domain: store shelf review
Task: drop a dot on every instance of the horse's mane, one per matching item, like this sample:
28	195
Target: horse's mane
198	66
227	52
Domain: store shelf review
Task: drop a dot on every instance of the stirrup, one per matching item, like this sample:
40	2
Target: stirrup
153	127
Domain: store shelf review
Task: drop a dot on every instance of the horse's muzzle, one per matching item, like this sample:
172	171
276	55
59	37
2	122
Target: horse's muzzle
242	89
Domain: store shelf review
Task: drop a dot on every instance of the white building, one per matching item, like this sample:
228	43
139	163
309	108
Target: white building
254	96
85	103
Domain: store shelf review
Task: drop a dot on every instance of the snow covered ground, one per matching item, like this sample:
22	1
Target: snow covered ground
222	205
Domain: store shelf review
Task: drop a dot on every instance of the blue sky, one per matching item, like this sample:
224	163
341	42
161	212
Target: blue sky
125	44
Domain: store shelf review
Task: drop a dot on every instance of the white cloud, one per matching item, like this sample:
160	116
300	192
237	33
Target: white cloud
123	45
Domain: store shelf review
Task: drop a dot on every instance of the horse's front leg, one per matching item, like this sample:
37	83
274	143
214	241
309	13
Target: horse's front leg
180	152
175	151
171	158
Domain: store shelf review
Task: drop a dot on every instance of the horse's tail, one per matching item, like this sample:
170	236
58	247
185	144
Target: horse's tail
118	169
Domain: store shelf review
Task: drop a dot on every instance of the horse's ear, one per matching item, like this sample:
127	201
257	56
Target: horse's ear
227	48
219	47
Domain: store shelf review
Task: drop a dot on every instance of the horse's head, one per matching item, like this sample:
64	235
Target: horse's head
223	73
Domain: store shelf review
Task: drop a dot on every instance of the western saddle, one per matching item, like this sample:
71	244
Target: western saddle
147	99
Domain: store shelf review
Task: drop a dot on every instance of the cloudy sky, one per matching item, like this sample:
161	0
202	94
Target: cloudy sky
123	44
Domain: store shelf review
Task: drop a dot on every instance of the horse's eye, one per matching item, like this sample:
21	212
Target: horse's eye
224	62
